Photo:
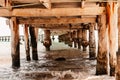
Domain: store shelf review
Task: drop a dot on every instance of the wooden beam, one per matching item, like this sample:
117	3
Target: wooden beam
57	20
35	12
2	2
59	1
28	12
5	13
58	26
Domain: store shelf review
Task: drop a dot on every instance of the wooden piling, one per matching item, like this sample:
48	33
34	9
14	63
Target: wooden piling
102	56
79	37
112	22
33	43
27	47
15	47
118	53
75	38
70	39
84	39
47	41
92	45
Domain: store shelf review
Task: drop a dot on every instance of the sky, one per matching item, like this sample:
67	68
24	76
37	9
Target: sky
4	28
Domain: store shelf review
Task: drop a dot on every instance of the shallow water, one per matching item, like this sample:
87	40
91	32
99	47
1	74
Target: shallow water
77	66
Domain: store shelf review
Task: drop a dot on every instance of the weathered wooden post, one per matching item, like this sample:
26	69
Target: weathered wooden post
15	47
102	56
75	38
112	22
79	35
27	47
92	45
47	41
70	39
36	33
33	43
84	38
118	53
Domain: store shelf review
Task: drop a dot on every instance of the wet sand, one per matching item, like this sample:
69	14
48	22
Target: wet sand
74	66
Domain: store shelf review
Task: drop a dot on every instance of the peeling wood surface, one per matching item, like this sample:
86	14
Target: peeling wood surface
15	47
112	18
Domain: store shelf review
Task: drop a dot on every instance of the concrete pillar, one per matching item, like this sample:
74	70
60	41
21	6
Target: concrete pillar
92	45
33	43
47	41
26	38
15	47
102	56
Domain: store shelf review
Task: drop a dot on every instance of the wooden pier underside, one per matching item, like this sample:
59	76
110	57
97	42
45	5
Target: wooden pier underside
63	16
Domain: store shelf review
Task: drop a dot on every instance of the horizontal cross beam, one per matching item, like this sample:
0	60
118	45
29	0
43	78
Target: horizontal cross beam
57	20
36	12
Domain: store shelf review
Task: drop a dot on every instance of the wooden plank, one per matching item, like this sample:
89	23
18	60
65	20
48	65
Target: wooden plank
57	20
28	12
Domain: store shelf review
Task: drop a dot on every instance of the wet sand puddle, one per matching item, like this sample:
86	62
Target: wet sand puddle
74	65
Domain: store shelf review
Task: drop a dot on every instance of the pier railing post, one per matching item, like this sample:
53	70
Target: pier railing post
15	47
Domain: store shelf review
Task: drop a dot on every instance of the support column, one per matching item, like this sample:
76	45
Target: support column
15	47
84	39
33	43
112	22
75	38
102	56
27	47
118	54
92	45
47	41
70	39
79	35
36	34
